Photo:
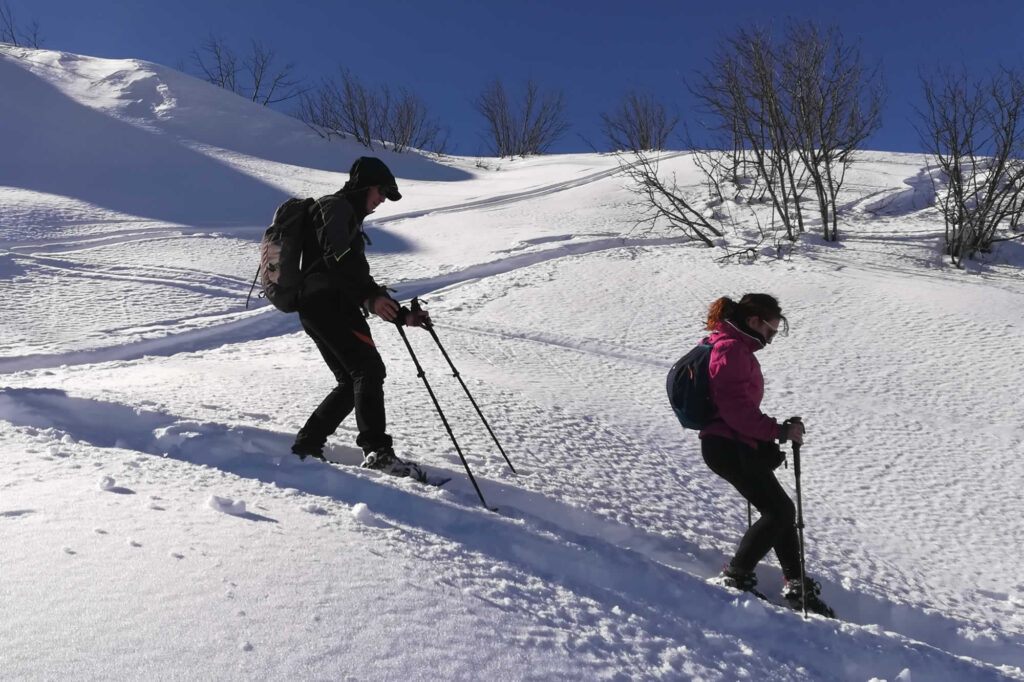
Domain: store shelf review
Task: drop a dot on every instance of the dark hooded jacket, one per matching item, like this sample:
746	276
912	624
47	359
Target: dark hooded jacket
335	249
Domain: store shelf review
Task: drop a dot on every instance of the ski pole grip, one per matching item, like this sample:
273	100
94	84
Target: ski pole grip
786	424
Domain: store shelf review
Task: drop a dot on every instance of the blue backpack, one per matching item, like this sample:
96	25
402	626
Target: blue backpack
689	388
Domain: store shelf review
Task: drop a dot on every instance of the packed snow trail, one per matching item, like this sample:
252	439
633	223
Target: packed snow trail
606	561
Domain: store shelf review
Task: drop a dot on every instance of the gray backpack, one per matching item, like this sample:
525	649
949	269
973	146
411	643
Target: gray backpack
281	270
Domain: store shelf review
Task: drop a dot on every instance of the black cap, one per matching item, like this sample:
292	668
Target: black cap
369	171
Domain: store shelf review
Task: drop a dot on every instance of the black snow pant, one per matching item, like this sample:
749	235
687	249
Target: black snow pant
751	474
343	338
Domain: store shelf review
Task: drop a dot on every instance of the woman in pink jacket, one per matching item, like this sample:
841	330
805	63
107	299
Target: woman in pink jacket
740	444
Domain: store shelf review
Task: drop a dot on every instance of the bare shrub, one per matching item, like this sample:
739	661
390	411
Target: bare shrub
640	123
397	120
974	133
524	129
257	76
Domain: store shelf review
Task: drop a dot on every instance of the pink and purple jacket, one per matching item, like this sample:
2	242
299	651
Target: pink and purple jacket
737	387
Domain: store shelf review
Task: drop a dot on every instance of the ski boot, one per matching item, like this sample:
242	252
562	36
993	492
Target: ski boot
797	596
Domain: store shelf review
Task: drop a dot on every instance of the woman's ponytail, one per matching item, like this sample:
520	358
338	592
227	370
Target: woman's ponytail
720	311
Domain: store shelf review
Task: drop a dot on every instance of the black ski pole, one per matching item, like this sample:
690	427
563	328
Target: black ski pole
423	375
799	517
455	373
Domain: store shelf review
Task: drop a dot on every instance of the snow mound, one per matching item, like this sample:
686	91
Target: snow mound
226	505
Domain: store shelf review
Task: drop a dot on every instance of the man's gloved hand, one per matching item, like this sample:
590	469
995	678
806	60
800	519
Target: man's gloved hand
384	307
417	318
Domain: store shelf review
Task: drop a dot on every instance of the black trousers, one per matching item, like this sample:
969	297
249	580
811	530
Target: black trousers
343	338
752	475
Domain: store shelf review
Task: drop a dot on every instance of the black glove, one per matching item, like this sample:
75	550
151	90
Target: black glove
412	318
769	452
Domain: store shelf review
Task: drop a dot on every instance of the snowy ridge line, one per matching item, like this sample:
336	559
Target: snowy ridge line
515	197
662	579
251	326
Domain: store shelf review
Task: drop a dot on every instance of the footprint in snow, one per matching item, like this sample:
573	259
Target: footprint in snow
16	513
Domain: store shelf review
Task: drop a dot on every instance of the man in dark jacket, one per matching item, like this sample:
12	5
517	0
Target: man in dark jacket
336	297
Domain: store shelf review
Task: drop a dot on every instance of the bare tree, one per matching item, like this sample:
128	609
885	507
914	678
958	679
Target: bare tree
217	64
639	123
835	104
974	132
405	123
524	130
739	94
789	116
265	82
399	120
11	33
270	83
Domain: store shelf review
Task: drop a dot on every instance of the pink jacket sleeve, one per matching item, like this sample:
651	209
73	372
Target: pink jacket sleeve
736	389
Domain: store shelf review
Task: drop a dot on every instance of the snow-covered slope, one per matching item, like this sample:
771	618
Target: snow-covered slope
152	524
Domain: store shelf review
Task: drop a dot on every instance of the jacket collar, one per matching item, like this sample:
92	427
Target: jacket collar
748	336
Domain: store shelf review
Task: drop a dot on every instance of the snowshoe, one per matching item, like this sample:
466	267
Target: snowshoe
743	581
386	461
797	595
304	451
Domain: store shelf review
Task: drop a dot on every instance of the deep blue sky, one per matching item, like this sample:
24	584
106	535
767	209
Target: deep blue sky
593	50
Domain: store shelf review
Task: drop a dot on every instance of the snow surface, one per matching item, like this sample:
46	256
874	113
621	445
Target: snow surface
154	526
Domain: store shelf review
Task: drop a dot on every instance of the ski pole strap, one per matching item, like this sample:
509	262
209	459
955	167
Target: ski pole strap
252	287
